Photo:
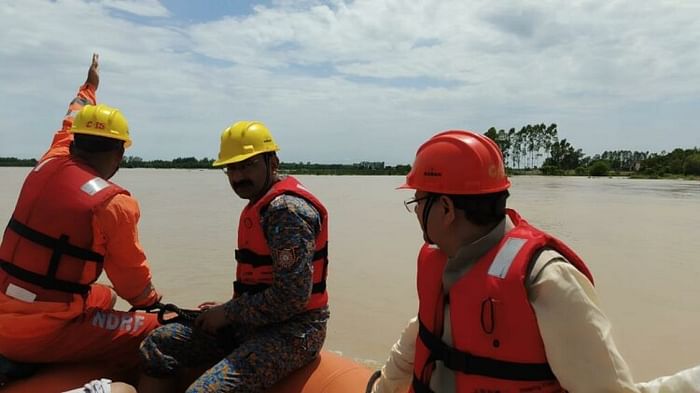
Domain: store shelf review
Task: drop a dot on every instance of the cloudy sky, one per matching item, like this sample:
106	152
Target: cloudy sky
346	81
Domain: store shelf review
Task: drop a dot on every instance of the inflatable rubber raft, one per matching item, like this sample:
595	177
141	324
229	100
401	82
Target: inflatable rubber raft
330	373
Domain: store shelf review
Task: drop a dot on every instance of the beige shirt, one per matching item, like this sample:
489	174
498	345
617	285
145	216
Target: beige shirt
570	321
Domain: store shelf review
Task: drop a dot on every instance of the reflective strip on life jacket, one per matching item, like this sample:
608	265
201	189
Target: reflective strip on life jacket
495	343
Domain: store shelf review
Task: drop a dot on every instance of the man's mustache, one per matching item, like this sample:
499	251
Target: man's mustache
242	183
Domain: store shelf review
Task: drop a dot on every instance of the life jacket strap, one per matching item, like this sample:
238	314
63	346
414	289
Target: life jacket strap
419	386
45	282
466	363
59	245
249	257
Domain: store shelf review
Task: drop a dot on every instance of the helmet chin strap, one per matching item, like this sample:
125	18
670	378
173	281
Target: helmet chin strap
426	213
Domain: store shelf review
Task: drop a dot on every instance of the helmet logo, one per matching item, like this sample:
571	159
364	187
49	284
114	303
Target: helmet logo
432	172
95	124
494	171
248	222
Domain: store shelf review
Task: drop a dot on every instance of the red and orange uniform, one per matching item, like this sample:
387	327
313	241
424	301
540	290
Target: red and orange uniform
56	312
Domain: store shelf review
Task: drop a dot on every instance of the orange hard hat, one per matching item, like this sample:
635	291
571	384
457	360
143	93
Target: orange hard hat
459	163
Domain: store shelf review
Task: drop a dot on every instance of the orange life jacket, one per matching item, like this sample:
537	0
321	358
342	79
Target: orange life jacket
254	269
46	252
496	343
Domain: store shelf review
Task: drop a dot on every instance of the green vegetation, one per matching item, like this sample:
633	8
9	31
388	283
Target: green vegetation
523	150
692	164
362	168
12	161
533	150
599	168
178	163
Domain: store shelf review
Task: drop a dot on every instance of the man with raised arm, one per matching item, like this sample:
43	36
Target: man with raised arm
71	223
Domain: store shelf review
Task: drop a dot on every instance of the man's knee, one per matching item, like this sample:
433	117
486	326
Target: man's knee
155	351
154	362
152	345
156	337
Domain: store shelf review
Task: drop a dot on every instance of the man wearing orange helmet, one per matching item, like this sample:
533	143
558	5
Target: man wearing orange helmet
70	223
276	321
503	306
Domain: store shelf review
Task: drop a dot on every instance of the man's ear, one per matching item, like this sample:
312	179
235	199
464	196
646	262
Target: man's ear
274	163
121	152
119	155
447	207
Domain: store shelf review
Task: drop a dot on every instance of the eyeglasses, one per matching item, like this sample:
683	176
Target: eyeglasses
242	166
412	204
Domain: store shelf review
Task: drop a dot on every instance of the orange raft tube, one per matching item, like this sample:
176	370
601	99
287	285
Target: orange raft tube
329	373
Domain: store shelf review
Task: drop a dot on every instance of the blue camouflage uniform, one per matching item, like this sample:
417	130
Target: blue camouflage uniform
272	334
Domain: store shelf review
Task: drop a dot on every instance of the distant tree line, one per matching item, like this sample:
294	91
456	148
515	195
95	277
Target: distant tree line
308	168
178	163
534	149
363	168
13	161
538	149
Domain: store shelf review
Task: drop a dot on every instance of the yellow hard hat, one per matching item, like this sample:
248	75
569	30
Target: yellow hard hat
243	140
102	120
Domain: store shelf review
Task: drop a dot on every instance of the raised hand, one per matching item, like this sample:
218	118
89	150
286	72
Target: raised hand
93	76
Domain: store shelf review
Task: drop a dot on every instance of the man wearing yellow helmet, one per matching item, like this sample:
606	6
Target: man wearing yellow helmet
276	321
70	223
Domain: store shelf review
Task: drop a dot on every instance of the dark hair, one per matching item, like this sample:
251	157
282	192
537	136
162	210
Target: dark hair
484	209
96	144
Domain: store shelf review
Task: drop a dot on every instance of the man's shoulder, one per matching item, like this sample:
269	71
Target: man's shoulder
553	263
123	197
291	210
292	203
120	204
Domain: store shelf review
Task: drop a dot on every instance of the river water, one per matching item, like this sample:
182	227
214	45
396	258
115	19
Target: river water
639	237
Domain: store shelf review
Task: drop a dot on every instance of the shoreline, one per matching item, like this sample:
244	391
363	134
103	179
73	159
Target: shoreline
393	172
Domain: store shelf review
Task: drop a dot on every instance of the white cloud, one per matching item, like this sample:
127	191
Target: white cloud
359	80
138	7
471	42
